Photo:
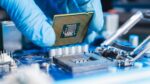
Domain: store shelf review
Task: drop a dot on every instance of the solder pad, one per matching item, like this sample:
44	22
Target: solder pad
71	28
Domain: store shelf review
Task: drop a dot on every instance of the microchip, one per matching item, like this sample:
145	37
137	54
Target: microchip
71	28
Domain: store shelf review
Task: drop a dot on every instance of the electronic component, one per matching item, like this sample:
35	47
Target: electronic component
124	45
111	23
120	57
66	50
71	28
10	36
124	58
69	50
7	64
79	63
78	59
134	39
33	57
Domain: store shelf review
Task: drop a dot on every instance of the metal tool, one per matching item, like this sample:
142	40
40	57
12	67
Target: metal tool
128	26
143	45
124	28
141	49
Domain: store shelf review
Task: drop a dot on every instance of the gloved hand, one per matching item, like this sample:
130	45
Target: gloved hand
96	24
52	7
30	20
33	23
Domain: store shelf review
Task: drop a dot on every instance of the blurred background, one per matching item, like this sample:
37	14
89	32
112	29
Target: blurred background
125	9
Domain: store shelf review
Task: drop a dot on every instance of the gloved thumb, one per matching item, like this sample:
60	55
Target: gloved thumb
30	20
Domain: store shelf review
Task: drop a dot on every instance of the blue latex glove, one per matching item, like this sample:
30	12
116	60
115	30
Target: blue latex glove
96	24
30	20
33	23
75	6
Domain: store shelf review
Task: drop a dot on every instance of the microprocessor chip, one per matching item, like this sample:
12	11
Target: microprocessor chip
71	28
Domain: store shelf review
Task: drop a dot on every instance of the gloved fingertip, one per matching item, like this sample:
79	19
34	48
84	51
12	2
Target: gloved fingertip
44	36
48	39
91	37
